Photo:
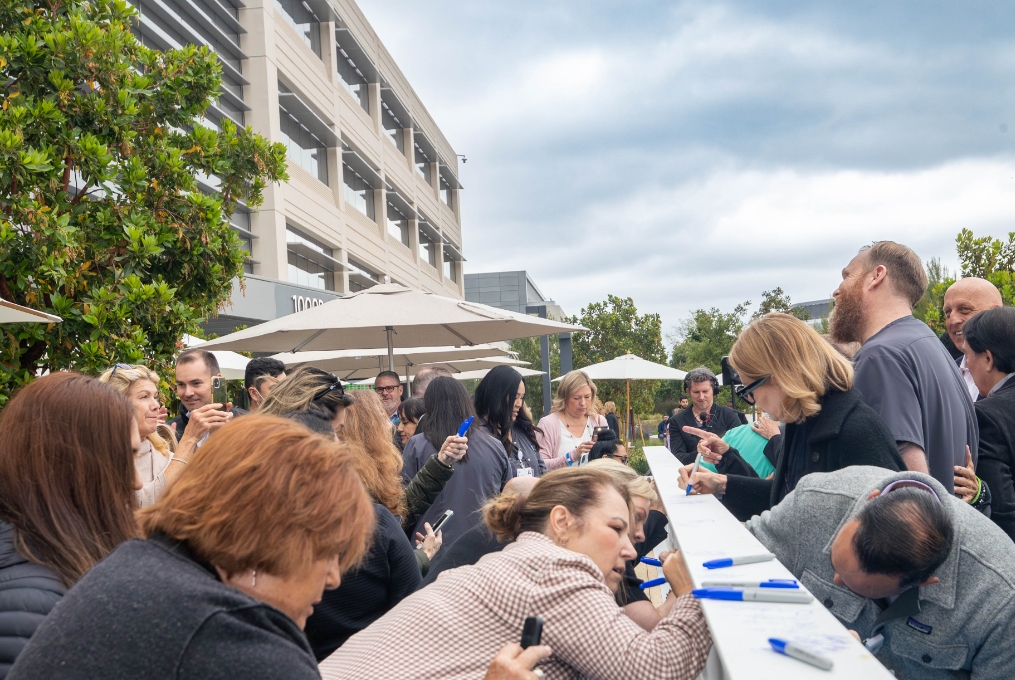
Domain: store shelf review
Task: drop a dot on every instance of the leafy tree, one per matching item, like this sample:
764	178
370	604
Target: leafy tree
615	329
776	300
707	336
930	309
528	349
989	258
102	220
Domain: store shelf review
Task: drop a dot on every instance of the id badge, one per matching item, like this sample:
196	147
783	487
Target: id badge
524	472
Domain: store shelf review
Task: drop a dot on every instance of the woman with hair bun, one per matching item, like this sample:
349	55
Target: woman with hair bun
791	373
569	543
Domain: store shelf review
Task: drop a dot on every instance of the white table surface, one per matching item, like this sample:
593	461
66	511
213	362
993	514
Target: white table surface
705	530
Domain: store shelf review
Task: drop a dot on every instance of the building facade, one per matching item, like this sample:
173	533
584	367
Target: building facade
373	194
514	291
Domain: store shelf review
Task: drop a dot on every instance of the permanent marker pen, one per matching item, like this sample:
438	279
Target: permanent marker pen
789	596
697	464
797	652
734	561
770	583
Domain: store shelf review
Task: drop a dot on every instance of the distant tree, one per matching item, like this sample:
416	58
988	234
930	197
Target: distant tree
102	220
776	300
930	309
989	258
528	349
615	329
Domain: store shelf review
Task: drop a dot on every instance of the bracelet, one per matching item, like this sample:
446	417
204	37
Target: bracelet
442	463
178	460
567	457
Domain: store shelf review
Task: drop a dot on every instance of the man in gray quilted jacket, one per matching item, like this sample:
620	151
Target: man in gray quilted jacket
926	581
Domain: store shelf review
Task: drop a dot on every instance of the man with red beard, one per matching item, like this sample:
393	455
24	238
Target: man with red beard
902	370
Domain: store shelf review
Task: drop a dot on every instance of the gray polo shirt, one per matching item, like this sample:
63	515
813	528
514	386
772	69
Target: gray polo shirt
906	375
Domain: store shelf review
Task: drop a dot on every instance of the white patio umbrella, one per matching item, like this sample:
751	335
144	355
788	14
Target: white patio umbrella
12	313
630	367
474	375
373	317
232	365
354	364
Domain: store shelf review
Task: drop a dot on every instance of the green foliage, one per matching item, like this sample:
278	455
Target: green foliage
102	220
636	459
776	300
615	329
528	350
705	338
930	309
989	258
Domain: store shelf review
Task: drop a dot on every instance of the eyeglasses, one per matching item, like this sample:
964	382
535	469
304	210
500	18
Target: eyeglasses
337	385
386	389
621	459
746	392
911	484
126	367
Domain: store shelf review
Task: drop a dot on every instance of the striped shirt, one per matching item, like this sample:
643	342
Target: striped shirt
453	628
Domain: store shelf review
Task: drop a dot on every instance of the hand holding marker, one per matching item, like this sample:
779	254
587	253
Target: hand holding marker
697	464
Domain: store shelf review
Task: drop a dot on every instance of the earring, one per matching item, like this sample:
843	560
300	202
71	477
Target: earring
253	578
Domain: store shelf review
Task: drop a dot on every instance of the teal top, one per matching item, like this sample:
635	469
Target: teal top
751	446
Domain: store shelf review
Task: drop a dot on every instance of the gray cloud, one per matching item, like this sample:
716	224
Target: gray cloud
692	154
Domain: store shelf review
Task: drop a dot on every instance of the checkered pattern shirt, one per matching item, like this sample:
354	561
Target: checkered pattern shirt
454	627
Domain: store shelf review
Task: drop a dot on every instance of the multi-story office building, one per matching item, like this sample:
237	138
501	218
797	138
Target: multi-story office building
373	194
514	291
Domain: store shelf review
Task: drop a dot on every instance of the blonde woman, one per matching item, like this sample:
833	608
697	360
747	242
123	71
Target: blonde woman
309	389
792	374
567	431
160	460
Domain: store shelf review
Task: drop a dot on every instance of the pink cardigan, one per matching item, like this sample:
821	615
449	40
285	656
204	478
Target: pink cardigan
549	440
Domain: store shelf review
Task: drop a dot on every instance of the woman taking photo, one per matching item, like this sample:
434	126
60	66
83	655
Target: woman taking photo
567	431
481	472
789	372
500	407
232	565
566	561
67	485
990	356
157	463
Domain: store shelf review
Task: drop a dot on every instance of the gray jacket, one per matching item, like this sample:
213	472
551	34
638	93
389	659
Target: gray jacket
28	592
962	627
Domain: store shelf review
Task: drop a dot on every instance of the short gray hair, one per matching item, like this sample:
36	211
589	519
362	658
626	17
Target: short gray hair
700	375
426	375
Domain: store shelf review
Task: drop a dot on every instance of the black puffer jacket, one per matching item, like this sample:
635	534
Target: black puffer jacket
28	592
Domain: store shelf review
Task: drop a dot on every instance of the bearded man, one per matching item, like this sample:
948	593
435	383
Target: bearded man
902	370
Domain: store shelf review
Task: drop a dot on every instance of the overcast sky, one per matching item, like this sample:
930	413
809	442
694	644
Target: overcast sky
693	154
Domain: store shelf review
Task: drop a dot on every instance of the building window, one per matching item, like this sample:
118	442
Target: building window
427	249
361	277
393	127
398	224
359	193
423	164
303	147
447	193
303	21
240	221
353	79
310	263
450	266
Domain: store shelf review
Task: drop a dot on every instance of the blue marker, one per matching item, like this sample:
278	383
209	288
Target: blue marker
466	424
653	583
770	583
651	561
754	595
697	464
734	561
797	652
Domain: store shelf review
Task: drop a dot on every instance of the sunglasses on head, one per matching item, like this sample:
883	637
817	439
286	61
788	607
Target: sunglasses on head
126	367
746	392
337	385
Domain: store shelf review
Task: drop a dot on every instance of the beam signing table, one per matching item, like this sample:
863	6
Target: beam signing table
705	530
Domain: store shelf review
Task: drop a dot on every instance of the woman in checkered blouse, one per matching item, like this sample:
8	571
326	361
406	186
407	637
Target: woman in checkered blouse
566	561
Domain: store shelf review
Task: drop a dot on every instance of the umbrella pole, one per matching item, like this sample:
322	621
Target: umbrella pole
627	413
391	348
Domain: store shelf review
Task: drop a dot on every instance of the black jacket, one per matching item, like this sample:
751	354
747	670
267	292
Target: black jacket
684	445
28	592
996	465
845	432
613	423
181	421
389	573
424	489
152	610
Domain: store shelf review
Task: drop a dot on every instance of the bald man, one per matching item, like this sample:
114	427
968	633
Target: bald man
963	299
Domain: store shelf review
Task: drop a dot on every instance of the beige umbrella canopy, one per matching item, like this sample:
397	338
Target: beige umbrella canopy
12	313
354	364
373	317
477	374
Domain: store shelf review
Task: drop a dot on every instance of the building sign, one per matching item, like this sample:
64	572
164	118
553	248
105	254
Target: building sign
301	302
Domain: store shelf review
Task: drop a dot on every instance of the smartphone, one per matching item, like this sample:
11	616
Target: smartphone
219	395
532	632
598	430
584	460
442	520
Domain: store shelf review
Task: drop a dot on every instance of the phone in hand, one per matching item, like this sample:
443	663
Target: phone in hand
219	395
598	430
532	632
442	520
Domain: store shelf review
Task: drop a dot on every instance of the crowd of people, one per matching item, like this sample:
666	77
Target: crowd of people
315	533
